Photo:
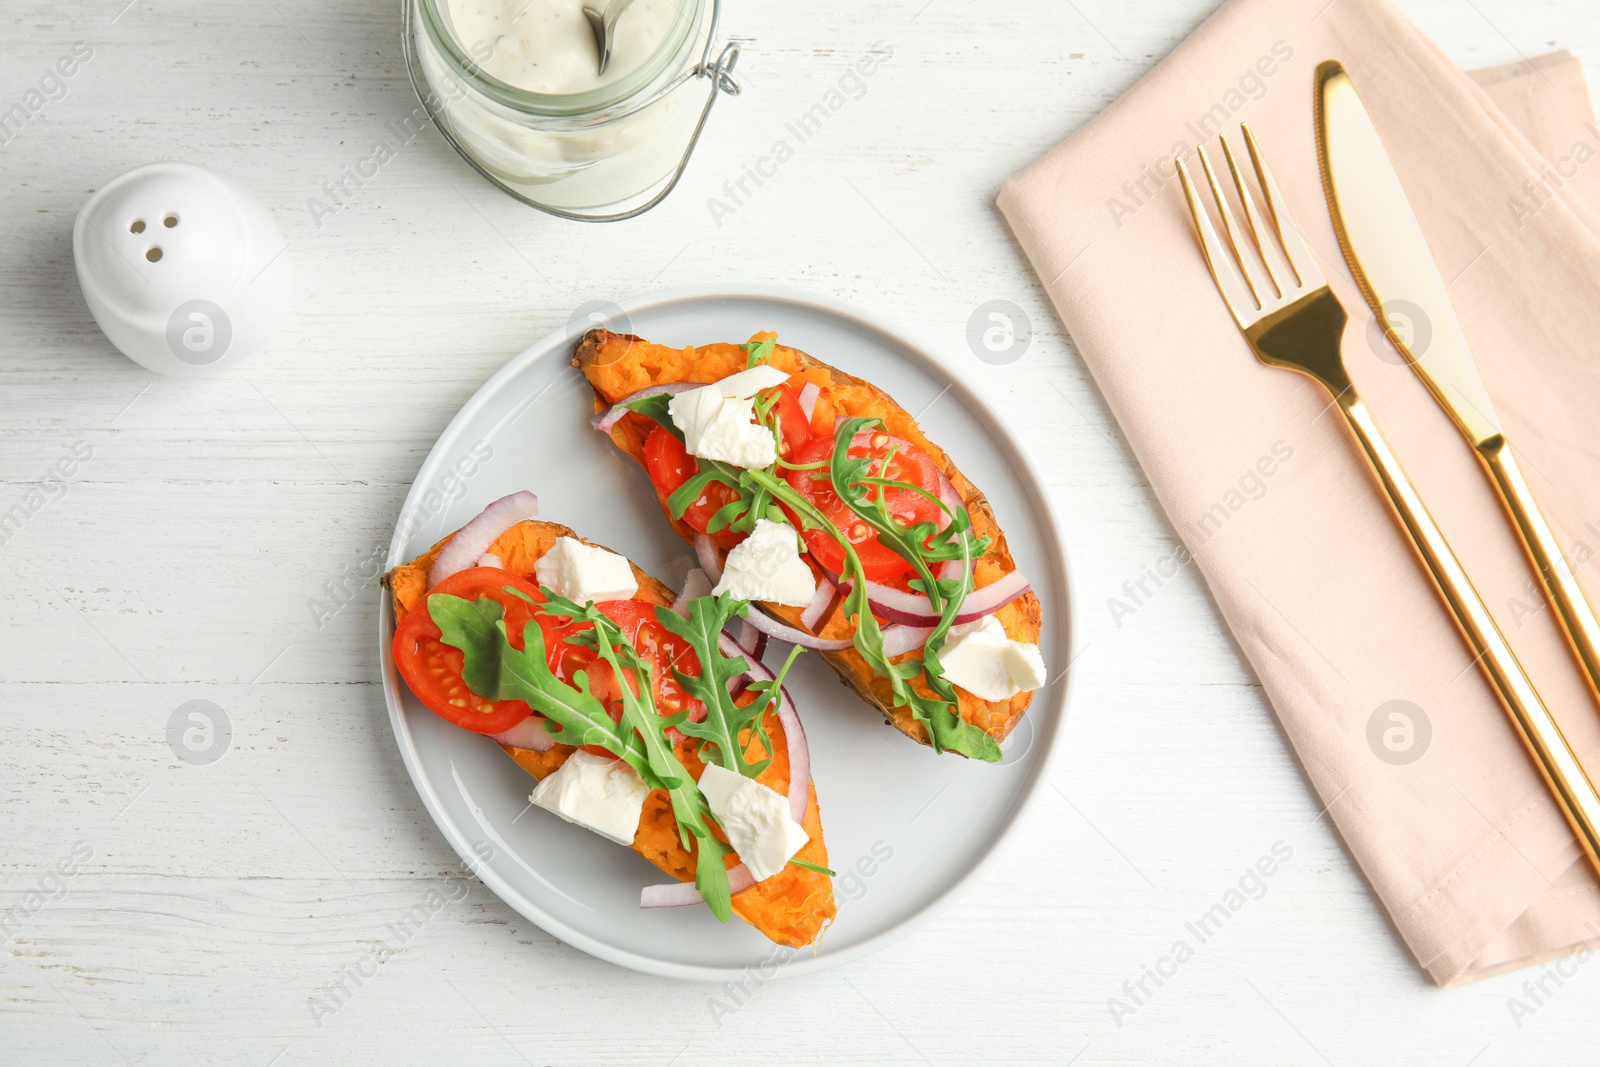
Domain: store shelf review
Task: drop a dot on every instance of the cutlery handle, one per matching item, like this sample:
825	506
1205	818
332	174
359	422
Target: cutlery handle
1569	784
1577	617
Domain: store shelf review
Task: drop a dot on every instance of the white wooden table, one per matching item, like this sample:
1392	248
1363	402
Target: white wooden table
212	903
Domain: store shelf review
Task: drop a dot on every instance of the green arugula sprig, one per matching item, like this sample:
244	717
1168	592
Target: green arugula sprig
639	712
495	670
755	494
757	351
722	732
921	544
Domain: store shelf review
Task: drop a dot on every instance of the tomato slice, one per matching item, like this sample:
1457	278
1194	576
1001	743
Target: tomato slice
670	465
907	464
433	669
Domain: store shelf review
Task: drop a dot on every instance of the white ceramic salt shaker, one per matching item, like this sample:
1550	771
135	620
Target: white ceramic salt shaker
184	270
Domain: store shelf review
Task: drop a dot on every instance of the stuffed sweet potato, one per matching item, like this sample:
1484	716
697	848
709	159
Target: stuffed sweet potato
793	905
619	367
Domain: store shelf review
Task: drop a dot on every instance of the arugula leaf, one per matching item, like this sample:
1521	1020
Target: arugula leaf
757	351
496	671
640	715
725	722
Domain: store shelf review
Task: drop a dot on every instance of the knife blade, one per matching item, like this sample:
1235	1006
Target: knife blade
1389	255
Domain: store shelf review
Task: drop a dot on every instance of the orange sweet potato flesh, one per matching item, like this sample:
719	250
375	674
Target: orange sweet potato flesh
617	365
794	905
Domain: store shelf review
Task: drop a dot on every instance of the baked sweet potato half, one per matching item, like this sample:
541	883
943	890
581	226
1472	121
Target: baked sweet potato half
792	906
620	366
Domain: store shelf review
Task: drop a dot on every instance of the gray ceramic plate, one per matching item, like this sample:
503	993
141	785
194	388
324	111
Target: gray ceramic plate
906	830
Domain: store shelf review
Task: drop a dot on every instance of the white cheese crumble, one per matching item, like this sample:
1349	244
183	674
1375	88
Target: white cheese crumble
718	420
748	383
981	659
584	573
596	792
767	566
756	818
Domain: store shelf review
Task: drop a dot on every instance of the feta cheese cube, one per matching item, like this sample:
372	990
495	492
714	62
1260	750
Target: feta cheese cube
596	792
747	383
757	819
584	573
767	566
722	428
980	658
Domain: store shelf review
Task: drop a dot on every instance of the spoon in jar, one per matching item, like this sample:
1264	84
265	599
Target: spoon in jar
604	25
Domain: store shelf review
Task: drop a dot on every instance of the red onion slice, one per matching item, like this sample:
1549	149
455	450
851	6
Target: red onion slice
773	628
914	609
529	733
808	399
695	586
751	638
682	894
899	639
474	539
819	603
489	559
607	419
706	550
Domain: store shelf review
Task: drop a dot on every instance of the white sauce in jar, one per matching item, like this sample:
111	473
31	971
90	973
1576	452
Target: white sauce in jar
548	46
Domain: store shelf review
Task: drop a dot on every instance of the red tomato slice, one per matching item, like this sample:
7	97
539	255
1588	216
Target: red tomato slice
433	669
669	466
909	465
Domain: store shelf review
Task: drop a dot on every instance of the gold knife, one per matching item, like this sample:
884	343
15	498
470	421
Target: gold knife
1387	253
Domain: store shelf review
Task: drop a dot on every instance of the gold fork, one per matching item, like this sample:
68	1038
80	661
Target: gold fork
1291	318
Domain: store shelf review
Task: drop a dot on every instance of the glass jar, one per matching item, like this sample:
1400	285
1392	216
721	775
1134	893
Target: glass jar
607	153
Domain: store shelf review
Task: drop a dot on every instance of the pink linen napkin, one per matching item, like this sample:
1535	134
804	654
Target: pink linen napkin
1436	797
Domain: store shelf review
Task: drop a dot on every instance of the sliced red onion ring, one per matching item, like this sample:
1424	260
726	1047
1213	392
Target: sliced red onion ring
751	638
529	733
900	639
474	539
773	628
819	603
682	894
607	419
489	559
949	497
914	609
808	399
706	550
695	586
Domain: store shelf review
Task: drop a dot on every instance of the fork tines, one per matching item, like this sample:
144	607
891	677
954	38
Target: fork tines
1257	282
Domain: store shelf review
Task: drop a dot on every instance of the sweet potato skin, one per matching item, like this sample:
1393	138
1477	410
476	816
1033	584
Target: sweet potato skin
616	365
793	906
